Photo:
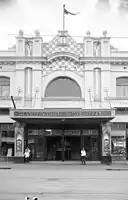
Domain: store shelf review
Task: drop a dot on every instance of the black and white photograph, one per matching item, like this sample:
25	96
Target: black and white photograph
63	99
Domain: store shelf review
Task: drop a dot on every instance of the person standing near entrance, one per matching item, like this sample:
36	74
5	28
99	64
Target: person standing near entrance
27	155
83	156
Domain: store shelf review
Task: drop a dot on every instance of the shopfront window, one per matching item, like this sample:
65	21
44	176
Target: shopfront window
118	140
4	86
118	145
36	143
7	139
7	130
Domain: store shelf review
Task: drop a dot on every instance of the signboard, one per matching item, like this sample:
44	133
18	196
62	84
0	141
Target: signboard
30	141
91	132
36	132
53	132
72	132
60	114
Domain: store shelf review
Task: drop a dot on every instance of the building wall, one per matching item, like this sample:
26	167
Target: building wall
58	59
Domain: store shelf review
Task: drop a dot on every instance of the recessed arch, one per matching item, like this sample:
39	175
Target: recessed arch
67	55
63	86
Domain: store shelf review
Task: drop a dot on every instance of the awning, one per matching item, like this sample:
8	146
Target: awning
6	119
62	113
120	119
118	133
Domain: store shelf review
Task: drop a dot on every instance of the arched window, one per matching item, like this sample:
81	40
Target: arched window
122	87
4	86
63	87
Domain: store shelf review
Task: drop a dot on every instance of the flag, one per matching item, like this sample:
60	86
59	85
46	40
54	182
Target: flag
67	12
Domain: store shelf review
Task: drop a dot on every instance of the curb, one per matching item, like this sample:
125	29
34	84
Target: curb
118	169
5	168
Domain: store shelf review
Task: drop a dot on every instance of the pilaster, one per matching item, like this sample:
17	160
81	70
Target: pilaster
106	140
19	143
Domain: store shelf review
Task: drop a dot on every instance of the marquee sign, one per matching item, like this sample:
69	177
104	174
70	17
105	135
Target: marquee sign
60	114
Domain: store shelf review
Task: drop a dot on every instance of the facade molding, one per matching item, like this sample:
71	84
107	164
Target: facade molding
61	55
62	99
81	60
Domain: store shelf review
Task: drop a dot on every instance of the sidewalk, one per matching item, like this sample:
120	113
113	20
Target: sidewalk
63	165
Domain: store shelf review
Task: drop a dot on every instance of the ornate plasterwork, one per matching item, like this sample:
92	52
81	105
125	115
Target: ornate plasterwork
63	42
28	47
63	64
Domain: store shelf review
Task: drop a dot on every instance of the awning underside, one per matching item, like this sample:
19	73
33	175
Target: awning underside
6	119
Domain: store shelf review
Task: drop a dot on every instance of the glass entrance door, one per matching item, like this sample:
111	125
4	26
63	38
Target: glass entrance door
72	147
95	153
90	141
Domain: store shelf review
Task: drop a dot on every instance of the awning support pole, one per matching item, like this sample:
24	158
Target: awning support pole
13	102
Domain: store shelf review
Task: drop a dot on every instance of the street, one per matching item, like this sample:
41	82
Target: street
52	181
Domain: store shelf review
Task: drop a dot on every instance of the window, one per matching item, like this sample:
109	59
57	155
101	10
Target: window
63	87
7	130
122	87
4	87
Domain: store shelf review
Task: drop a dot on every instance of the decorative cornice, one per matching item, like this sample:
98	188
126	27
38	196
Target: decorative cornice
9	98
117	98
103	60
64	55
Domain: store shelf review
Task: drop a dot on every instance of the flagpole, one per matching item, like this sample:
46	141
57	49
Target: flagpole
63	18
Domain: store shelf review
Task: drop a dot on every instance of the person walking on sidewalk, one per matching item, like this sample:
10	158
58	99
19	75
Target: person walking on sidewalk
83	156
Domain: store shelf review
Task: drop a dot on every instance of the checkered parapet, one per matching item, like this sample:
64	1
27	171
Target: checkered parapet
63	63
63	42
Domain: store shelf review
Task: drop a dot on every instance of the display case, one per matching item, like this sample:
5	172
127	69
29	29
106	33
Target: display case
118	145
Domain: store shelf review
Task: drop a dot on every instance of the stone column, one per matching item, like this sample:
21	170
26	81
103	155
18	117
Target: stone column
19	143
106	140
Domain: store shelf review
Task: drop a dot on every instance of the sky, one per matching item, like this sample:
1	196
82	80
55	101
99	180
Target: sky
47	17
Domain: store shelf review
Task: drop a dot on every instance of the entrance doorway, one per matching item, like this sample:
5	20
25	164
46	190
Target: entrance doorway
58	144
72	148
54	147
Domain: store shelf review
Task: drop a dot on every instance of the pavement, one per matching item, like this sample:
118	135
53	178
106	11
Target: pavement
63	181
90	165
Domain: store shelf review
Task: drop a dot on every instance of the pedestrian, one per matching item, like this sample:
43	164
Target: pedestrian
109	160
27	155
83	156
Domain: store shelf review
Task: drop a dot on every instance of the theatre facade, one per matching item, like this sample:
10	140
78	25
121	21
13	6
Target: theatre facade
60	96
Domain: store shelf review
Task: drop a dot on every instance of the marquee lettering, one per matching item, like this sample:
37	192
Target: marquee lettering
61	114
